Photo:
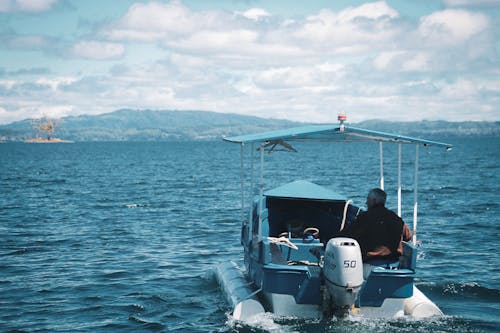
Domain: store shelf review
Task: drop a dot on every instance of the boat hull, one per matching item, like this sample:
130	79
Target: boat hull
240	294
246	301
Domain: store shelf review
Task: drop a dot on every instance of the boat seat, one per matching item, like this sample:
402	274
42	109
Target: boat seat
277	255
281	254
385	283
409	257
303	253
301	282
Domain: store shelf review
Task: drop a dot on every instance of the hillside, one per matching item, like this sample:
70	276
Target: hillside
435	128
149	125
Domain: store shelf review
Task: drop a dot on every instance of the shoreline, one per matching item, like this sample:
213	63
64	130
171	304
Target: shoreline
44	140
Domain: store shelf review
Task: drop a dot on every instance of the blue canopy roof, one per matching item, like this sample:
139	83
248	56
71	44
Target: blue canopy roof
303	189
331	133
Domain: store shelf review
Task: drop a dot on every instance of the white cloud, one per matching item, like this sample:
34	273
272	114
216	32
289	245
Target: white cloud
385	59
26	5
227	41
354	30
417	62
374	10
403	61
155	21
54	111
7	84
461	89
465	3
173	25
368	60
452	26
9	116
241	42
97	50
318	78
256	14
55	83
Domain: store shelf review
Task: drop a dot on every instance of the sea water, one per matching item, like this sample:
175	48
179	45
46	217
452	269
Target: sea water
123	237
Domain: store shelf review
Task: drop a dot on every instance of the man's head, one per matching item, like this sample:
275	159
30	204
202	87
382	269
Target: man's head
376	197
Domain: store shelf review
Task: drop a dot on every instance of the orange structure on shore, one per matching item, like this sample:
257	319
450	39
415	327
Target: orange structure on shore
44	130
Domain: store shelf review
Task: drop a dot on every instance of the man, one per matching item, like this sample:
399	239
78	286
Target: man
379	231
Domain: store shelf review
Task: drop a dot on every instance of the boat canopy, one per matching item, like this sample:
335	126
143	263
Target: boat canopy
331	133
302	189
278	140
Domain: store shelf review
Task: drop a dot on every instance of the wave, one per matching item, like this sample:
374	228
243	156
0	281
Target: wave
114	274
16	252
55	181
469	290
135	205
151	325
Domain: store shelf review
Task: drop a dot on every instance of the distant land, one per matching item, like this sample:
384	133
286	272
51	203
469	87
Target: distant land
169	125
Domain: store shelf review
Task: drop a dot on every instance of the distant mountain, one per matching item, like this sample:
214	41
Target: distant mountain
431	129
149	125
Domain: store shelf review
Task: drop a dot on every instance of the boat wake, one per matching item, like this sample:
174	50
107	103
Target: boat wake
268	322
260	322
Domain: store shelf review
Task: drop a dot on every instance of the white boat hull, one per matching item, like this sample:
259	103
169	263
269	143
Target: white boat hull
239	294
245	303
285	306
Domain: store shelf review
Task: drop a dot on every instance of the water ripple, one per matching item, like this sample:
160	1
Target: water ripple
114	237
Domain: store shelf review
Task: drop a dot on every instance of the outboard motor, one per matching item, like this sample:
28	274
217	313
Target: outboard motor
343	271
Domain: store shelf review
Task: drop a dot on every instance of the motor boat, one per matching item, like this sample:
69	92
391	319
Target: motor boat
294	263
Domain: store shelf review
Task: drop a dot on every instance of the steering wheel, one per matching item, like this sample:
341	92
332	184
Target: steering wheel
311	231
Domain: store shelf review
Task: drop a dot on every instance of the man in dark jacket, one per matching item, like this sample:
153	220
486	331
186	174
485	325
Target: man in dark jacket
379	231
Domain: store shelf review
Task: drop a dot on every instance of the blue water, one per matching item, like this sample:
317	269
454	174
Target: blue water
117	237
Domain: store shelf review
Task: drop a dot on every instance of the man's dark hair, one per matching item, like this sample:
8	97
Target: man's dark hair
378	195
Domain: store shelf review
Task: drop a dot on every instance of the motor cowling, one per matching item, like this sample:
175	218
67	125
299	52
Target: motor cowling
343	271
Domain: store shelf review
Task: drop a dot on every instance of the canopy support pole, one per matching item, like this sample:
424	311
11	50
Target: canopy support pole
399	180
381	166
242	178
261	191
415	197
251	184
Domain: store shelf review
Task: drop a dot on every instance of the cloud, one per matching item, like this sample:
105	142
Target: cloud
318	78
32	6
461	89
256	14
97	50
23	42
24	71
367	60
155	21
55	83
176	27
471	3
403	61
49	45
352	30
452	26
373	11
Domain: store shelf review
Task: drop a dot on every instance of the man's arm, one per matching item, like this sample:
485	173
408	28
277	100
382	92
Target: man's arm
406	233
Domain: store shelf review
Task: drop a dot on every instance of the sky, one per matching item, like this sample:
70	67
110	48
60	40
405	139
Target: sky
297	60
